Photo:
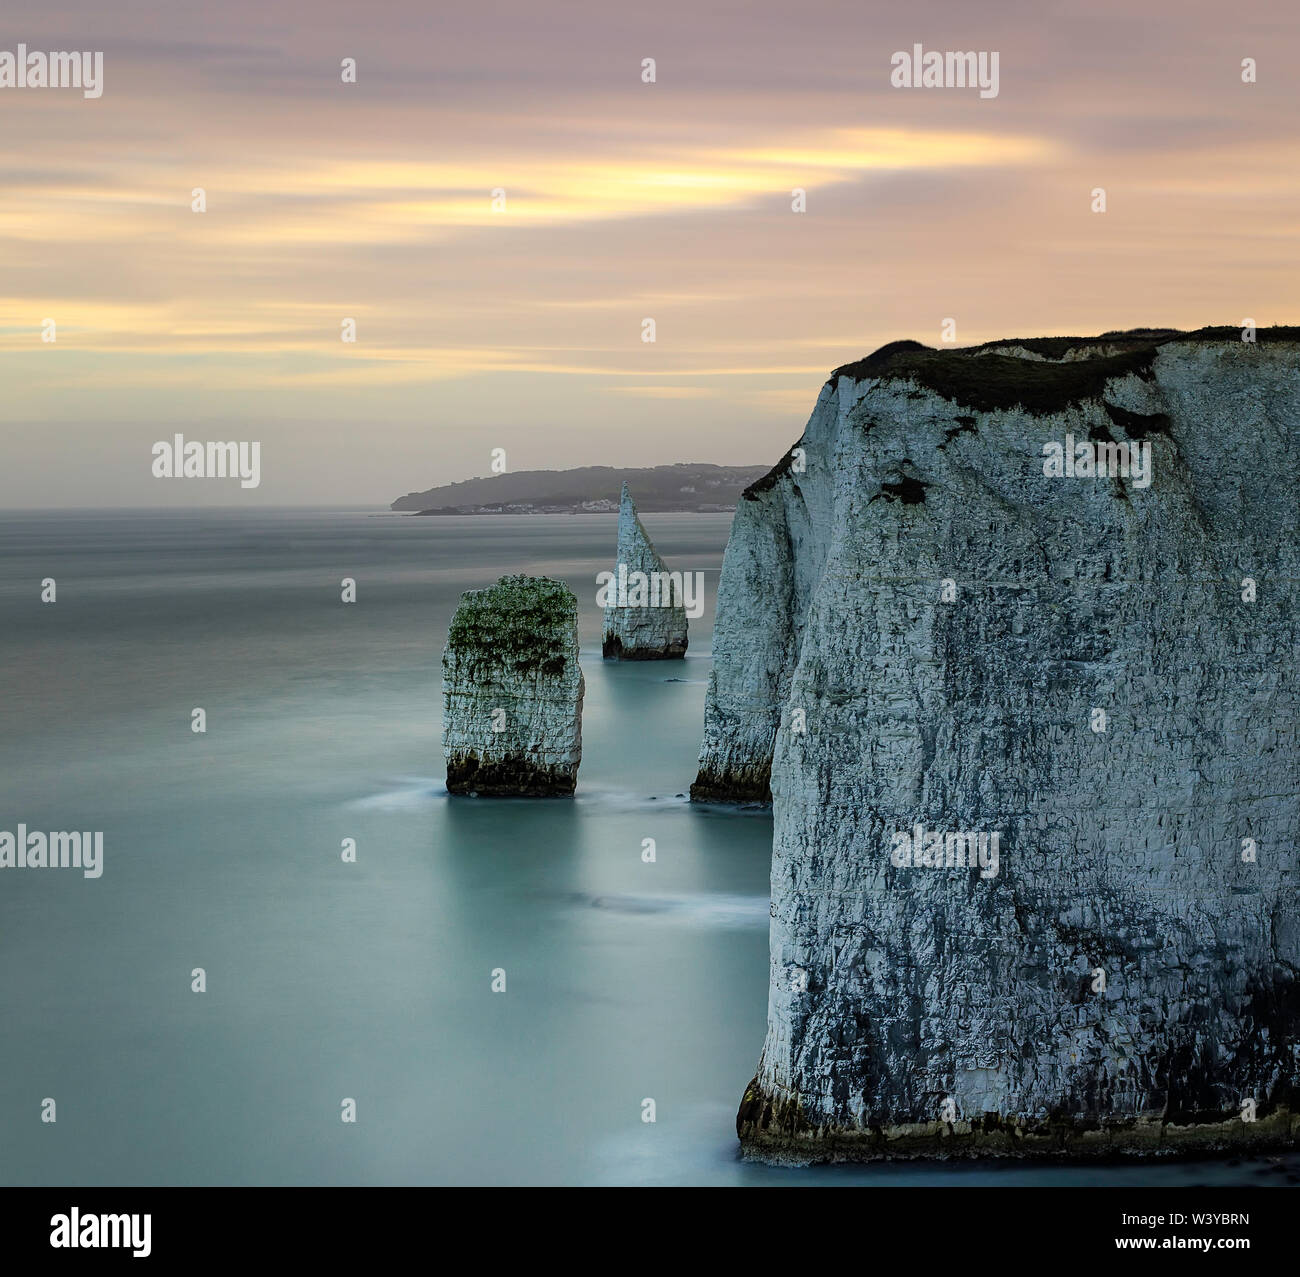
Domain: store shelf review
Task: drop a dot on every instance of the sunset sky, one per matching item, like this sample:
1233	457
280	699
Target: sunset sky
480	328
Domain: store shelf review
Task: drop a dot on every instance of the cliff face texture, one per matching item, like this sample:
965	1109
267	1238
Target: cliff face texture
941	642
512	690
645	618
778	543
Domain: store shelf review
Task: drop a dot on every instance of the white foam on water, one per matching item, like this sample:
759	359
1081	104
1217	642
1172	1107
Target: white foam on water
709	910
407	793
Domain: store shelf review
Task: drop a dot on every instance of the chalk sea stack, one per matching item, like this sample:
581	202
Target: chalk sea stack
922	625
645	619
512	690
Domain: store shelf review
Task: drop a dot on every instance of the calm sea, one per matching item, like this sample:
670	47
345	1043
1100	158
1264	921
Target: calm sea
327	981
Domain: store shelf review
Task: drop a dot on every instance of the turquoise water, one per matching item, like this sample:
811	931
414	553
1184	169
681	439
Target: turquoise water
368	981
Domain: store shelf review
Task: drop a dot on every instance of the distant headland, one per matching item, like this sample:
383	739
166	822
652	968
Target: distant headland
688	487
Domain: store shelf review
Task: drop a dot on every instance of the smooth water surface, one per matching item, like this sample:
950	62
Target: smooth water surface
369	981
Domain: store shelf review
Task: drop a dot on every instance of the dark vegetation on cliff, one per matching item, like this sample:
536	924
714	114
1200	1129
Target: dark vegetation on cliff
979	377
768	481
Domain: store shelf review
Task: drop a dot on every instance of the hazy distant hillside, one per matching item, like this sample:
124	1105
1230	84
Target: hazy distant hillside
687	486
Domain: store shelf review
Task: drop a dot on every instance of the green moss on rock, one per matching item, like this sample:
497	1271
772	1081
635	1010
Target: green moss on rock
523	624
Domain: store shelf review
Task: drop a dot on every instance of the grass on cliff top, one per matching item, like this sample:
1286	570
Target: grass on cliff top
524	622
1003	381
988	382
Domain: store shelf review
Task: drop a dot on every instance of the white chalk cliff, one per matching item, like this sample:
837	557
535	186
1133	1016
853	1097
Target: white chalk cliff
918	626
636	630
512	690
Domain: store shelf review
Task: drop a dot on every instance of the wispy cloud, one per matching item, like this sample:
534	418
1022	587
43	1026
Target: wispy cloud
623	201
